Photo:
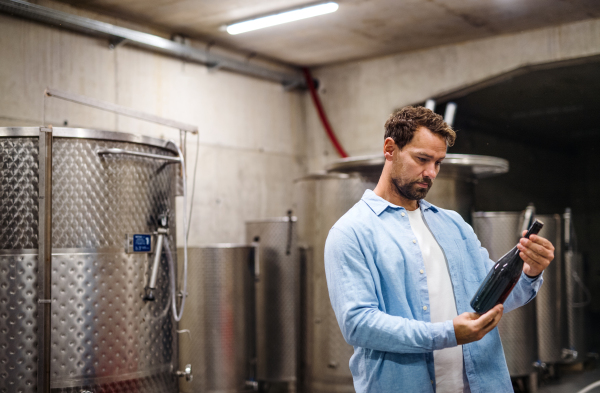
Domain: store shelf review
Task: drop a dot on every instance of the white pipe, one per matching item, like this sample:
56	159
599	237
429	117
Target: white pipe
430	104
590	387
449	114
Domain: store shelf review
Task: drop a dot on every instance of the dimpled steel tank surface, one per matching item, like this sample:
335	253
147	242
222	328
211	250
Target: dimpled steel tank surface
104	336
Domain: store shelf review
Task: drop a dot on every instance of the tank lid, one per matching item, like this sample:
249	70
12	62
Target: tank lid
469	164
85	133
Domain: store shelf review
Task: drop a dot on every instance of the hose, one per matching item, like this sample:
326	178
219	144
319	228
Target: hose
590	387
322	115
177	316
173	285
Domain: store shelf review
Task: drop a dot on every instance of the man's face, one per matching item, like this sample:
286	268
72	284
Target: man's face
416	166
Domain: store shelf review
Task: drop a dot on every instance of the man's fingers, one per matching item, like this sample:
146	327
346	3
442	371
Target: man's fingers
538	248
488	317
542	241
493	323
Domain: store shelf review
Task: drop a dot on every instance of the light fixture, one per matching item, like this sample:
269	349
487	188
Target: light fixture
283	17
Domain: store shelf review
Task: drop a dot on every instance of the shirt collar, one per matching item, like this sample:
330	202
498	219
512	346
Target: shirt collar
378	204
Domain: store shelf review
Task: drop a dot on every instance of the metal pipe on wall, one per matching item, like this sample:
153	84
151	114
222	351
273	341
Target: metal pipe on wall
137	38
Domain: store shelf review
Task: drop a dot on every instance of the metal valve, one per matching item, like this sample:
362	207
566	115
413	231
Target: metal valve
187	372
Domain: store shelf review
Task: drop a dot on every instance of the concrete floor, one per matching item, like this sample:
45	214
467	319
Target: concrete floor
572	383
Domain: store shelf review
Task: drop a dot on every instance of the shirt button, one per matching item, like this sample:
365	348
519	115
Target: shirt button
402	214
425	308
432	381
414	241
421	271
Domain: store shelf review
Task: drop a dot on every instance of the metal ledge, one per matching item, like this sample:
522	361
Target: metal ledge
85	133
120	35
475	165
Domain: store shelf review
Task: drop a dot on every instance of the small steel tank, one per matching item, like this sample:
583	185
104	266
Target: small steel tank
220	317
319	201
577	296
498	233
104	336
277	302
550	300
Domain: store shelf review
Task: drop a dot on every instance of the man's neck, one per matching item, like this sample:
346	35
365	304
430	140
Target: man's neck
386	190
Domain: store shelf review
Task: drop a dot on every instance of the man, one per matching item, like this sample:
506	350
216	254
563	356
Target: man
401	273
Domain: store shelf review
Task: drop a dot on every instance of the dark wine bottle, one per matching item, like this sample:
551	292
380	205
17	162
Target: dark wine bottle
502	278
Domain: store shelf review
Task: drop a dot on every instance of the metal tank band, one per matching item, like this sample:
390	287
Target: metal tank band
277	301
104	336
498	232
220	318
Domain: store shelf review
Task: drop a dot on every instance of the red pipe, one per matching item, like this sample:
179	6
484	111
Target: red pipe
322	115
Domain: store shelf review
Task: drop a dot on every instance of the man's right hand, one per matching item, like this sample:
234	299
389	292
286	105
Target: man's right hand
469	326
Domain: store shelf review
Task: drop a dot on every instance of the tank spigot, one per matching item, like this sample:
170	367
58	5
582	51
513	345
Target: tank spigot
187	373
149	294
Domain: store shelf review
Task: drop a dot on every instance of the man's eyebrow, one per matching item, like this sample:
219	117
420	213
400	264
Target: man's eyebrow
421	153
424	154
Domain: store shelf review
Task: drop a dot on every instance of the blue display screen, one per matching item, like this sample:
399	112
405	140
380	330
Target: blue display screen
142	243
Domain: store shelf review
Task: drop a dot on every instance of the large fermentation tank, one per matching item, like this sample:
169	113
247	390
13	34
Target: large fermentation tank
277	302
550	300
220	317
453	187
320	200
499	232
104	336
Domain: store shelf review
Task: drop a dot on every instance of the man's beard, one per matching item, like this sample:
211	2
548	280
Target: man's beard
411	190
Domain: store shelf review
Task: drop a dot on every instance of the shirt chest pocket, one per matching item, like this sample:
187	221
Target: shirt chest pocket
473	266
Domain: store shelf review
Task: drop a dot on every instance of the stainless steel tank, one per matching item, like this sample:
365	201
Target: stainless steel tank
277	301
453	187
104	336
220	317
319	201
577	296
498	233
550	300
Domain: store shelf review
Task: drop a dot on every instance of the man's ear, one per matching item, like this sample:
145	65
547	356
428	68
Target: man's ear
389	149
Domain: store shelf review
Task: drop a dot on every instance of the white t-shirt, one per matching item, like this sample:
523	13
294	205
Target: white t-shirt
448	362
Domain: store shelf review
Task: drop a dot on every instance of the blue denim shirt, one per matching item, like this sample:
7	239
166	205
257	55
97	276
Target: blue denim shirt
381	300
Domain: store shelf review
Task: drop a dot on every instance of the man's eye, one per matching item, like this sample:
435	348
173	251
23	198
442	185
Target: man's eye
438	163
422	159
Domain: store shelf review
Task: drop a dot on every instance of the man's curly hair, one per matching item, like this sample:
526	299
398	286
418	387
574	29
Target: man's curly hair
402	125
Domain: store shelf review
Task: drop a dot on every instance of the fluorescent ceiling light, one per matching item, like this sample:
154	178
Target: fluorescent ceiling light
284	17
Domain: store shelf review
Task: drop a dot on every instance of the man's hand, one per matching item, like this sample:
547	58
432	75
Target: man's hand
536	252
469	326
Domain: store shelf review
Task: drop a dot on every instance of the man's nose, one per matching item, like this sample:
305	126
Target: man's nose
431	171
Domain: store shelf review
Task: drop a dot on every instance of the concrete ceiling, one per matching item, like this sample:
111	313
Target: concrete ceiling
359	29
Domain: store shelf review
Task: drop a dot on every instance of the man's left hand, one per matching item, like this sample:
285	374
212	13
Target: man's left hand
537	253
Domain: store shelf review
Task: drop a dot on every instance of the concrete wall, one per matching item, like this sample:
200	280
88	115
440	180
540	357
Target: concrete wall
359	96
250	130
